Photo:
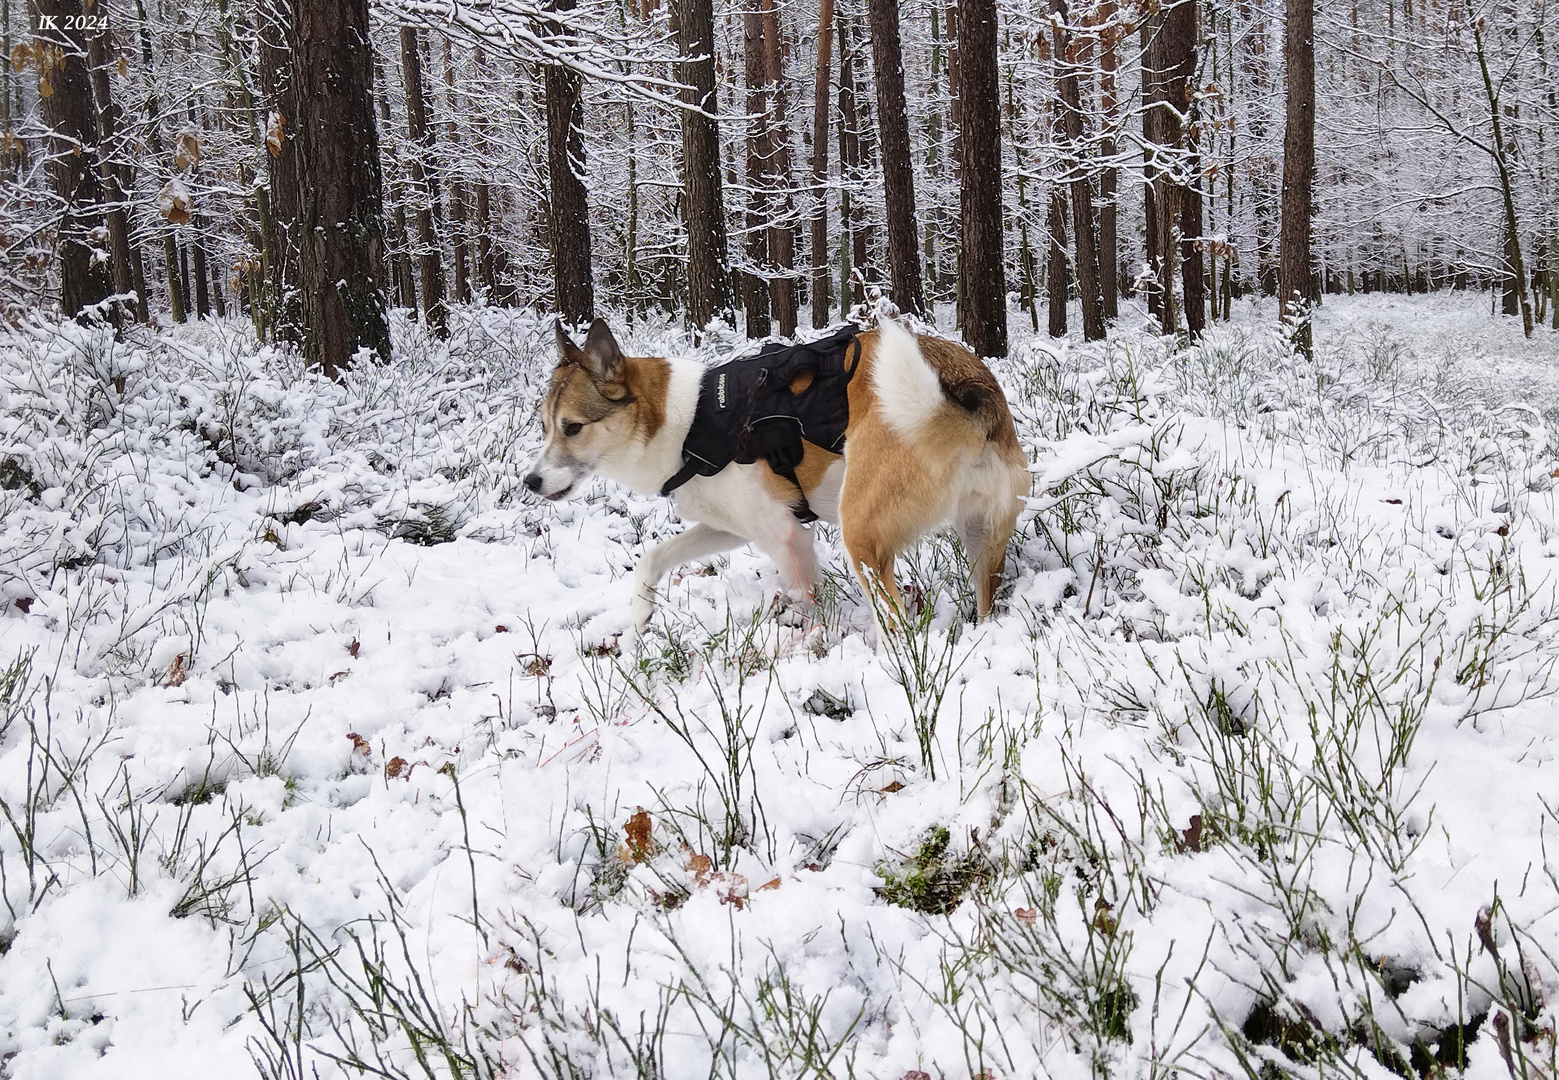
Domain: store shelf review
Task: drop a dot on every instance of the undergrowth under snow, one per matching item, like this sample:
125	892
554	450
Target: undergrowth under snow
316	752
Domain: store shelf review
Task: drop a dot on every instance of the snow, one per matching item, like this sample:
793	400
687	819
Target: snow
304	680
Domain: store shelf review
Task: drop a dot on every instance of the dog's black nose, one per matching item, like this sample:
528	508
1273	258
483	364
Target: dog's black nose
533	481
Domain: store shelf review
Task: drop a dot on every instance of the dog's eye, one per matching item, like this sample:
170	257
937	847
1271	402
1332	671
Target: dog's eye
572	428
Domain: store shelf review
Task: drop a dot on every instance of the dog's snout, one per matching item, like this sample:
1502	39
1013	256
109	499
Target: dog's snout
533	481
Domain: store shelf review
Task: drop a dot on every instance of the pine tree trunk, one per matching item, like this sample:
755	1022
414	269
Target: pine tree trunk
755	284
341	213
980	209
851	250
458	203
1257	72
66	99
1295	282
1181	25
1055	263
703	196
822	300
1109	176
898	177
429	262
114	172
484	238
1089	294
405	288
281	306
199	268
573	285
782	234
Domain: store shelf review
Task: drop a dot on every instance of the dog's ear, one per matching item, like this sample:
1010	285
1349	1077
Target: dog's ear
602	358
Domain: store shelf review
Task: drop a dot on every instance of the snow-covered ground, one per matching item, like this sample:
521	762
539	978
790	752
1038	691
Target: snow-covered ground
316	751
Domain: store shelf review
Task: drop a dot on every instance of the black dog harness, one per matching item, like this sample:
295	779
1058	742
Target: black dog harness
747	411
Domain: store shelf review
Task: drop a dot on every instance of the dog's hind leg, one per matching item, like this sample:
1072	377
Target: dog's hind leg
695	543
985	520
985	545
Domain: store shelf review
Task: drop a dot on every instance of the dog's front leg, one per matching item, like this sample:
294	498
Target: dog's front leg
695	543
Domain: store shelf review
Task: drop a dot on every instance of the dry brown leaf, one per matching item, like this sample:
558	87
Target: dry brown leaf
397	767
889	789
176	673
1103	920
23	604
702	868
352	648
770	885
174	203
186	150
275	133
916	1074
340	675
731	889
1026	915
640	844
359	744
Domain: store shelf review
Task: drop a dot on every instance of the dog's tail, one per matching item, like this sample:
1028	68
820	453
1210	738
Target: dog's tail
911	389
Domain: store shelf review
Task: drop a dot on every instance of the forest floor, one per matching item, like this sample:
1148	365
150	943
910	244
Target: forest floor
316	754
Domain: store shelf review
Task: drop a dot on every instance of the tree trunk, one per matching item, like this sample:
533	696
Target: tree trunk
1168	64
114	172
1514	268
281	307
1109	176
703	196
457	190
1055	263
1256	71
341	213
484	239
755	284
1089	294
853	262
782	235
1296	285
898	177
430	265
406	290
573	286
822	301
66	98
980	209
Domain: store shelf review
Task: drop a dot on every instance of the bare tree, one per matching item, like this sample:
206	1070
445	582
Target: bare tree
980	209
821	298
573	283
430	264
340	213
1296	286
65	92
755	284
782	234
113	167
703	196
1068	62
898	175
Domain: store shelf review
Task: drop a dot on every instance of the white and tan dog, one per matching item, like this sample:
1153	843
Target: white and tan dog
930	440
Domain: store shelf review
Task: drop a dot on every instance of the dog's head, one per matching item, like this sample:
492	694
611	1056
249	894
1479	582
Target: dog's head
588	414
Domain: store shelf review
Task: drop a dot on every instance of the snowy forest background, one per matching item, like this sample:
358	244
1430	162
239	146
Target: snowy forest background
320	751
188	121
